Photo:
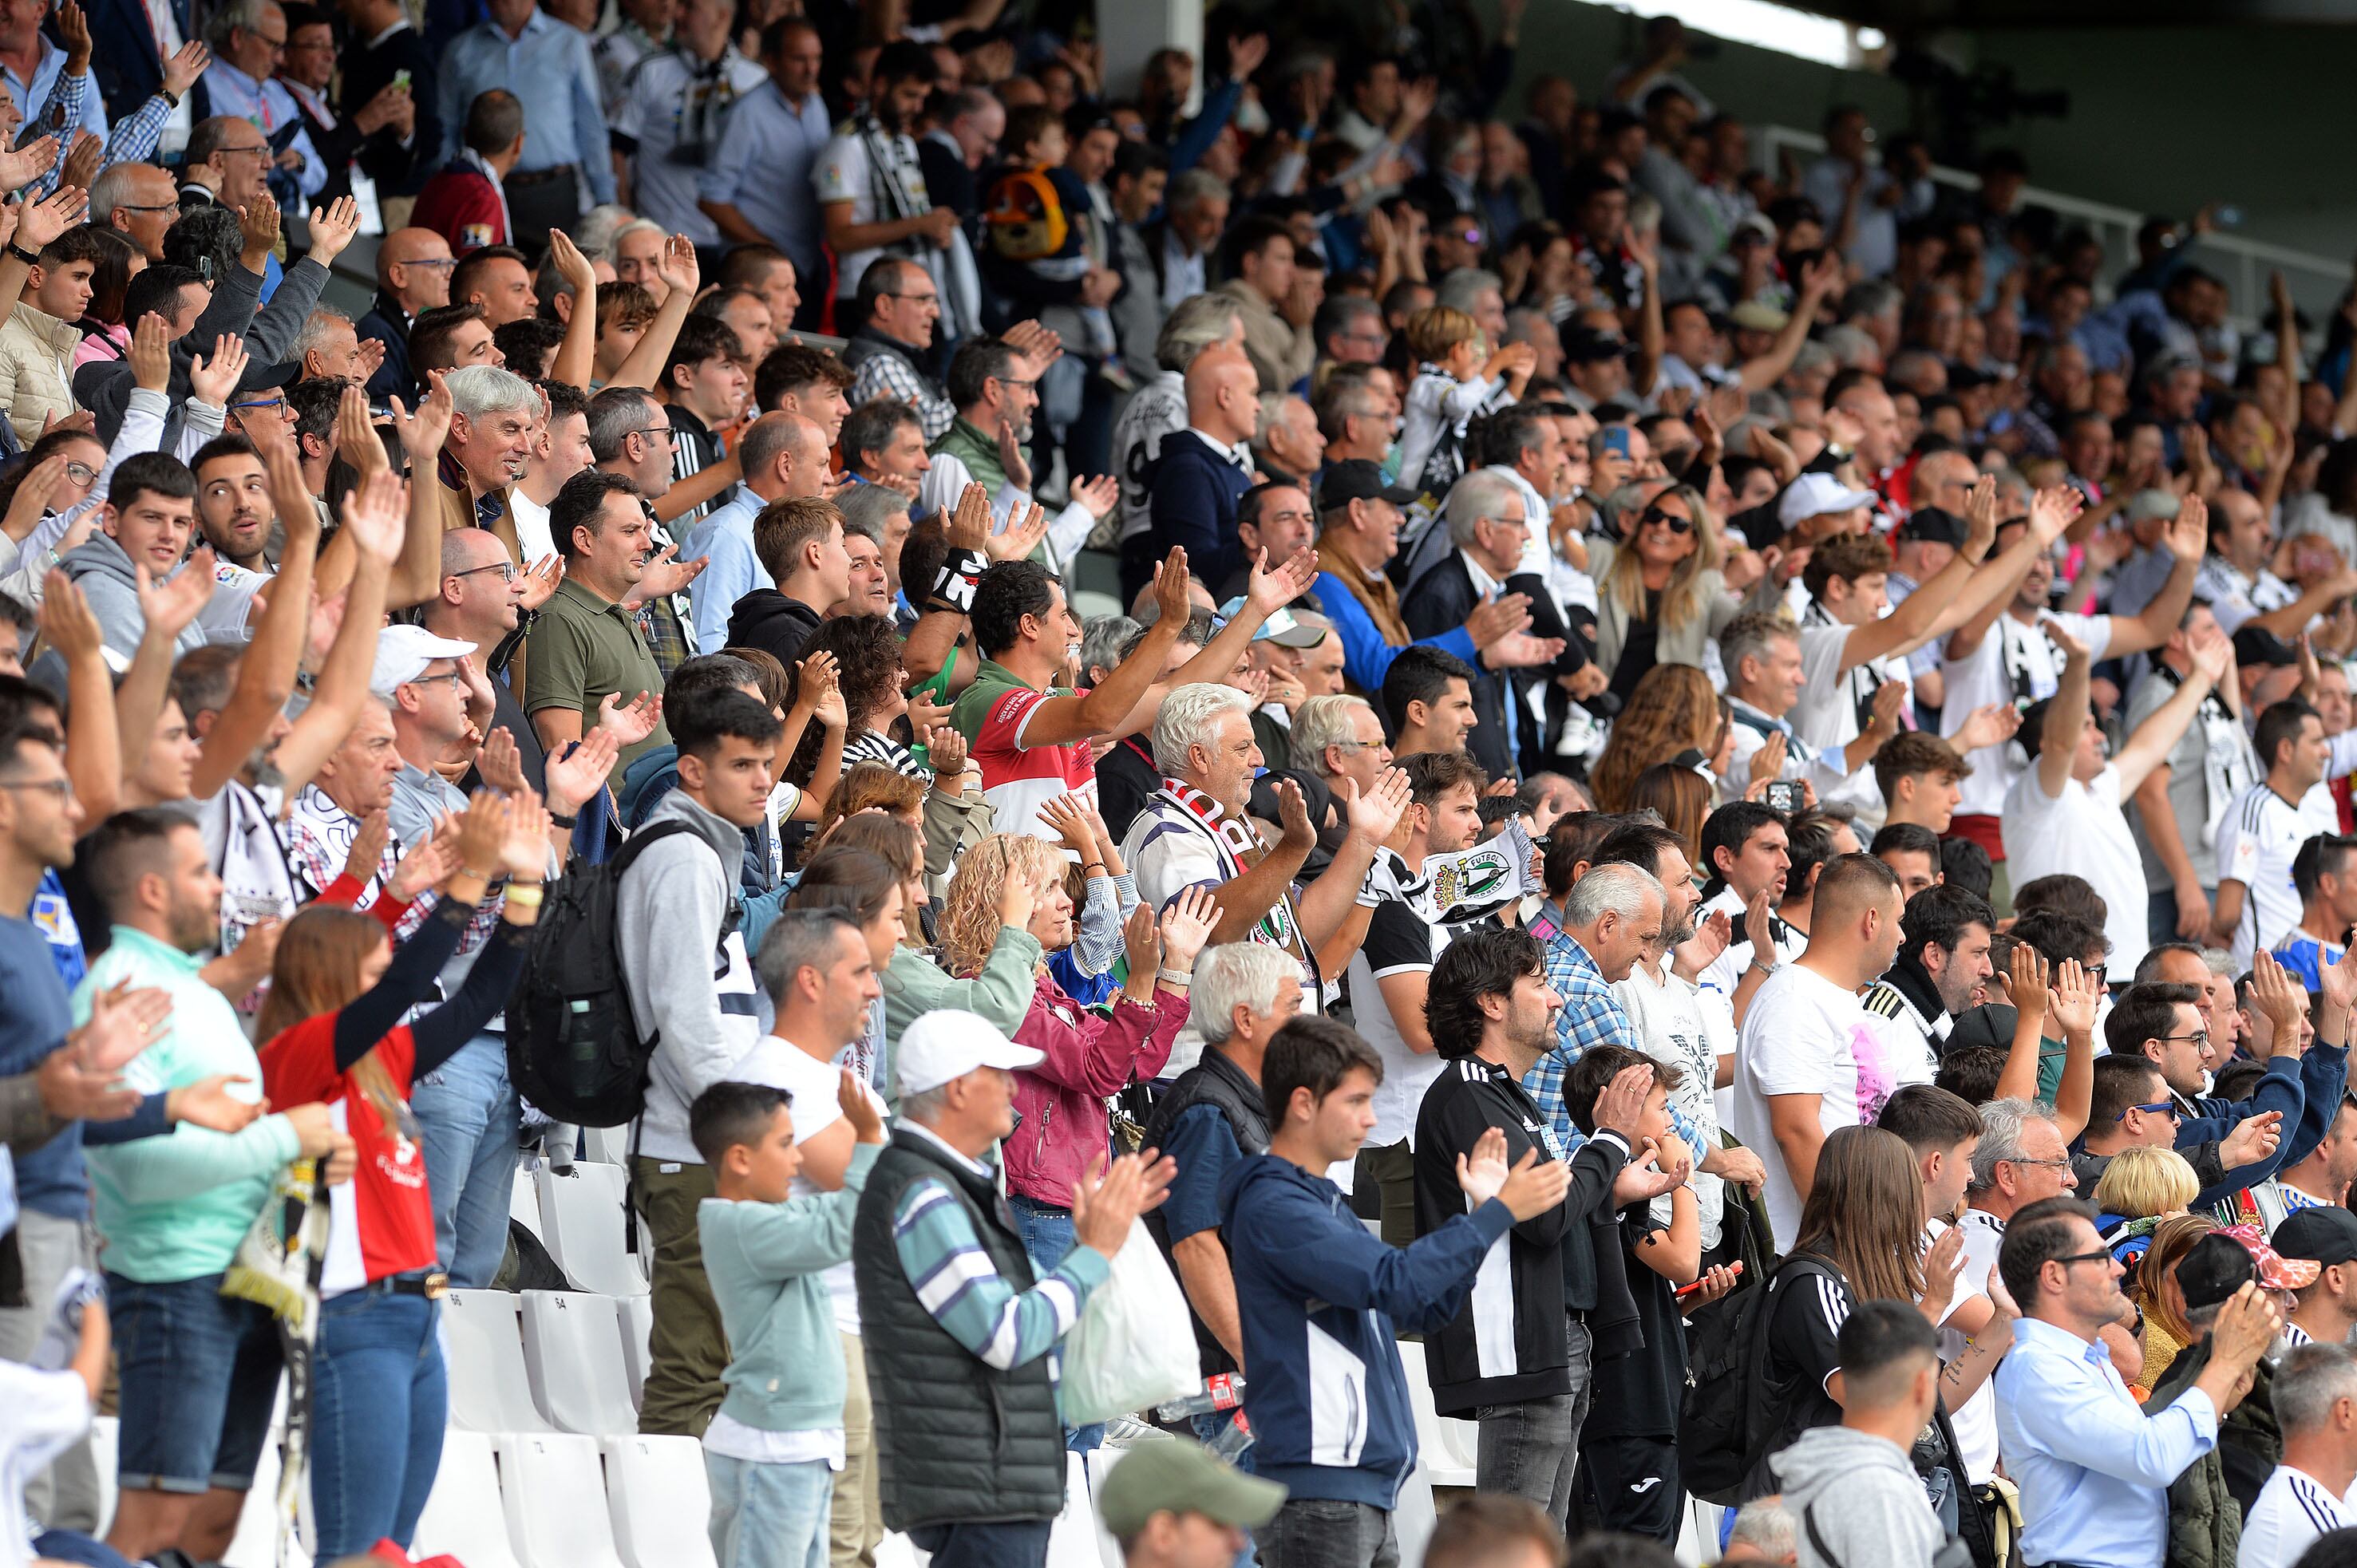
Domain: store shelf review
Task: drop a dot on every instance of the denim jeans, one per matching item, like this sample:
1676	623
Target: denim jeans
1321	1532
199	1372
467	1111
768	1516
1046	1237
1022	1543
379	1401
1531	1448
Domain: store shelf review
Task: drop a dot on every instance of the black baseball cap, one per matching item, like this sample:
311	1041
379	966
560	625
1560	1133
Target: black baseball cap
1587	346
2215	1268
2324	1235
1359	479
2257	646
1932	525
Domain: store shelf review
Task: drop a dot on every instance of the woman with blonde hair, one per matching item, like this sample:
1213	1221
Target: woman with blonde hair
1661	593
2156	1295
1671	711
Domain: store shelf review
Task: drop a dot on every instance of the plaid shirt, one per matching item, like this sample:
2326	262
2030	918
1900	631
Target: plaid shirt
1591	1016
889	375
320	836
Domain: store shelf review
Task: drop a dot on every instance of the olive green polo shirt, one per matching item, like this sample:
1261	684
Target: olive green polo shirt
582	649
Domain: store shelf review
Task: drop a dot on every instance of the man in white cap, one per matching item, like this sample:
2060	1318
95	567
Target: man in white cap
944	1285
1813	508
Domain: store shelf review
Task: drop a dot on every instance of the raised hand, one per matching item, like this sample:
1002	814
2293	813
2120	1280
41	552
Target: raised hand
1186	926
1759	926
499	763
483	834
1071	824
422	432
1020	537
632	722
1271	588
581	772
2275	992
1170	602
1018	899
423	865
2189	536
1888	699
377	516
1483	1172
1992	725
2026	976
1375	813
356	437
332	228
572	266
2339	980
818	688
257	221
2051	511
183	65
46	219
2213	654
945	748
151	353
210	382
1940	1266
2254	1139
1621	1104
1300	833
121	1024
2074	997
970	521
20	166
859	1108
677	265
367	852
67	623
1980	514
1100	495
82	162
540	580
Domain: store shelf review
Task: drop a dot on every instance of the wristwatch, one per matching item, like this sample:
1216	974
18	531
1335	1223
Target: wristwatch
1764	968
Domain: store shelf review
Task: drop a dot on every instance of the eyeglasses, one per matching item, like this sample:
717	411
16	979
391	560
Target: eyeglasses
275	404
2061	1163
259	149
431	262
2102	1255
1675	523
1012	385
168	206
450	675
81	473
916	298
62	788
664	431
2199	1037
508	570
2160	1108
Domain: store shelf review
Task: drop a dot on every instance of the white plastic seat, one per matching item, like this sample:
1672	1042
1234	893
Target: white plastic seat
483	1352
106	1446
1437	1453
463	1518
637	1314
1413	1518
585	1220
661	1499
553	1491
603	1145
523	1205
573	1358
896	1550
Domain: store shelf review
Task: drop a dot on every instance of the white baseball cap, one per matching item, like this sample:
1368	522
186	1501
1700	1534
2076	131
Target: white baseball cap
403	651
1813	495
951	1043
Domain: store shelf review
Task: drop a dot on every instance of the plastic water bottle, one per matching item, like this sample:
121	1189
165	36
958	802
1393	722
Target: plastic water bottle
1223	1391
1234	1440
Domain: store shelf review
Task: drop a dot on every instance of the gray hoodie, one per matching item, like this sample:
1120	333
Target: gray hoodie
1864	1498
688	985
104	571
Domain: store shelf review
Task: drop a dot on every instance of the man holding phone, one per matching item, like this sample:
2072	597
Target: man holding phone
384	52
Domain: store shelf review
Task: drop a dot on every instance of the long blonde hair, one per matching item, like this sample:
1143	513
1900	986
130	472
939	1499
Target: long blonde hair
969	922
1681	600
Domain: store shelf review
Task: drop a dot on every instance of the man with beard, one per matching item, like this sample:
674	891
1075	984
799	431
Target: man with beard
871	189
236	517
1944	958
1748	850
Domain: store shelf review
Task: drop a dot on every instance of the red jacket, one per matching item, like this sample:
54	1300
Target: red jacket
460	205
1090	1059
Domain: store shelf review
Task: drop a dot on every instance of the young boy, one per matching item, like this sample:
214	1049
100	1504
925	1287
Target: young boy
39	334
1046	249
1453	383
773	1449
625	311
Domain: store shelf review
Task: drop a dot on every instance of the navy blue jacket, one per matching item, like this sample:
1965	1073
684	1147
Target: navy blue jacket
1195	492
1318	1297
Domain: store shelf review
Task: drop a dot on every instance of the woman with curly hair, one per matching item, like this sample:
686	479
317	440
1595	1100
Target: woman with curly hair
1661	597
1673	710
1089	1056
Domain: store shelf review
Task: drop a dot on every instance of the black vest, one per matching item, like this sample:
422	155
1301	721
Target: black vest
1214	1080
955	1438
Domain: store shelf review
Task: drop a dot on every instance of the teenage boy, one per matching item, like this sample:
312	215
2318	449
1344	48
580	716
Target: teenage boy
1854	1485
1318	1297
772	1449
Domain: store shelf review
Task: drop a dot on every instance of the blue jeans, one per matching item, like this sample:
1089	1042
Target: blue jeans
768	1516
1019	1543
378	1404
199	1371
1046	1237
468	1111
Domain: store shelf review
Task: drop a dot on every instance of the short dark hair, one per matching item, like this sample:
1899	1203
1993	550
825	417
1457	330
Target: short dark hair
1576	836
978	361
790	367
1025	124
1005	594
747	264
871	427
2060	893
1253	235
1599	1065
229	444
1929	1117
155	291
1971	1072
699	724
902	60
2119	1082
2148	966
1639	845
2036	1236
705	672
2143	1012
82	242
494	119
430	334
316	403
701	338
205	239
581	501
1963	864
2058	936
125	847
730	1114
1316	1054
1809	840
2279	724
1484	960
1420	674
1883	1344
526	342
1906	838
143	472
1939	915
1432	774
884	276
1493	1527
2322	856
1731	827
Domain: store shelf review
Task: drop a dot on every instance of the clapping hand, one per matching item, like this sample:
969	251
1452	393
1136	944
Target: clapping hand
67	623
1375	814
1141	940
121	1024
1992	725
367	851
1186	926
630	722
1940	1266
540	580
946	748
1271	588
1071	824
582	771
422	432
2073	998
1481	1172
499	762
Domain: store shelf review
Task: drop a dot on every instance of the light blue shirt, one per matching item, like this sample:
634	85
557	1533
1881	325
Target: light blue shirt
724	538
766	158
549	70
270	107
89	115
2092	1468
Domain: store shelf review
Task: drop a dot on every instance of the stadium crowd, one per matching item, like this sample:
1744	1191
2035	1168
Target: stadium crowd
1753	858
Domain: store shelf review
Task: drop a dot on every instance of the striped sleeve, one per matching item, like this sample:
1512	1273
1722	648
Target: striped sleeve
966	1294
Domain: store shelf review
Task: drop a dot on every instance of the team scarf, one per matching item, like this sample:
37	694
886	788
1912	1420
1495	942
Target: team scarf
1237	848
1463	885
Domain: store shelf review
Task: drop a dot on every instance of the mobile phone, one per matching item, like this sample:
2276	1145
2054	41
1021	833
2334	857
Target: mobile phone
1616	440
1783	795
1735	1268
401	79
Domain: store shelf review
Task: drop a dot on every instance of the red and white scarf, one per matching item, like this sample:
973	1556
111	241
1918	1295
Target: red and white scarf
1234	841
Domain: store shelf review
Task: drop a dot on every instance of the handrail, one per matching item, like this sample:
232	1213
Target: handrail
2116	227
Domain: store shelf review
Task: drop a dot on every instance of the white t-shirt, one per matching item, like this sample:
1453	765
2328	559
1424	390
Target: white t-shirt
2256	843
2082	832
2015	663
1398	942
1674	1025
815	1086
47	1412
1804	1035
1975	1419
225	614
1825	713
2293	1509
1726	970
841	174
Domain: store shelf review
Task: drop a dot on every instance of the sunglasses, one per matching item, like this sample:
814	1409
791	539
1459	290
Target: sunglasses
2162	1108
1655	514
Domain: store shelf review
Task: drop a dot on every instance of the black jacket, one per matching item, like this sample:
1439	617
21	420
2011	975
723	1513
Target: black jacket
1469	1097
389	324
368	69
1440	602
778	625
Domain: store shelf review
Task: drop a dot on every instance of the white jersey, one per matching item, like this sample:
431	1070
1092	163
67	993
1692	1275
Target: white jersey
2014	663
2293	1509
2262	833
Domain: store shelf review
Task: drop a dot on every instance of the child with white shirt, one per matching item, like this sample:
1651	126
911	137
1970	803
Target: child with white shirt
1453	382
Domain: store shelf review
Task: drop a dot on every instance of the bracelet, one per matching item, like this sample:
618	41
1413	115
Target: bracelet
563	820
169	96
478	875
524	895
1092	866
1174	977
30	258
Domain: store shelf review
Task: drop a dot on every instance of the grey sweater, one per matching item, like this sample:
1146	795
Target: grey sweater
1864	1498
689	986
104	573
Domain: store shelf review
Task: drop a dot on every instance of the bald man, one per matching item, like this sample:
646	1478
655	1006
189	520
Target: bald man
1203	471
784	455
413	275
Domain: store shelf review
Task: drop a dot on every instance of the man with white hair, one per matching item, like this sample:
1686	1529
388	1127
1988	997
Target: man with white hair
1194	833
328	345
1158	408
1611	918
493	412
1214	1118
1340	738
1488	526
1286	443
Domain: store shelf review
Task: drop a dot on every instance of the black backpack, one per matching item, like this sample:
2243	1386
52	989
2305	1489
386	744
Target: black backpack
574	1049
1730	1415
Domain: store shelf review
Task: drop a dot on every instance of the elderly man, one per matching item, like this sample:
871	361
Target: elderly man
330	344
1287	444
413	276
1608	928
899	305
1340	738
1211	1118
492	414
138	201
783	456
248	39
566	167
1359	414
